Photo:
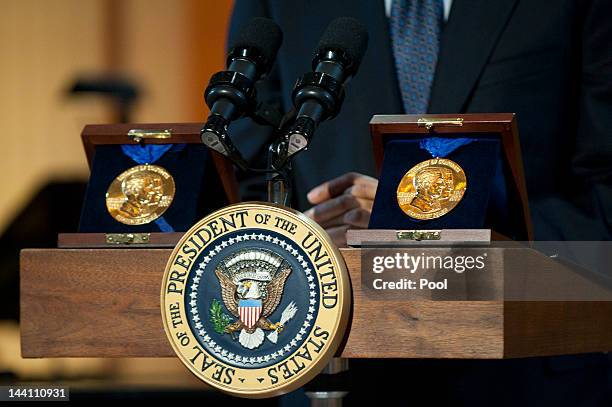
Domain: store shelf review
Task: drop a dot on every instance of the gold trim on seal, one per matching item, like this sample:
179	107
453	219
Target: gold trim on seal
295	367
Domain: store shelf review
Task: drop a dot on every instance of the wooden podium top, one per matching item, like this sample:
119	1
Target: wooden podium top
105	303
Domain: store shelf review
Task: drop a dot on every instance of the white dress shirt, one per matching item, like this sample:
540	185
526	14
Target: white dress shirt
447	7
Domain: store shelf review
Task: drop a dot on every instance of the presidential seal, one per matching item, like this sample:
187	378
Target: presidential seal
431	189
255	299
140	194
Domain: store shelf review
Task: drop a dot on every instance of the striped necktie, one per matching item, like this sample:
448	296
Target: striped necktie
415	34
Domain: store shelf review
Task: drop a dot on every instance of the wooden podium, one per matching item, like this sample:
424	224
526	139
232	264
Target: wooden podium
105	303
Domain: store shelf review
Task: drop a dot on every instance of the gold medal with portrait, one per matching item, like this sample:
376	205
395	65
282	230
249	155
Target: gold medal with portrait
140	194
431	189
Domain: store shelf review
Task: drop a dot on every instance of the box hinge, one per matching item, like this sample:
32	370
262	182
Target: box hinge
139	135
128	238
419	235
430	123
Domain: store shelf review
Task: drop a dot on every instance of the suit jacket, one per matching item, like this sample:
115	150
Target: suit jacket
549	61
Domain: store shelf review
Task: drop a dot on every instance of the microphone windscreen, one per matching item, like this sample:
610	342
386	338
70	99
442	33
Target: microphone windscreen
347	34
263	34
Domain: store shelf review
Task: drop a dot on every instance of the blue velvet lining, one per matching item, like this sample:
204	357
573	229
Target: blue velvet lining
484	203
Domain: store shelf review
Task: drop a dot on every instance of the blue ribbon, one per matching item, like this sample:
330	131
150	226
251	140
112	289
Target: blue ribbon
145	154
163	225
441	147
148	154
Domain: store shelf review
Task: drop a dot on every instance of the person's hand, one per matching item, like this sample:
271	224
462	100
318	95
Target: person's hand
343	203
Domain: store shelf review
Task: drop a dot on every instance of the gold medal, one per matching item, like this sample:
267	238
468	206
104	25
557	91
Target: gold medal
140	194
431	189
255	299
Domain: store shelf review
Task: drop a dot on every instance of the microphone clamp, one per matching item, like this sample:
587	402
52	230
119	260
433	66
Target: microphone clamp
322	88
231	90
214	135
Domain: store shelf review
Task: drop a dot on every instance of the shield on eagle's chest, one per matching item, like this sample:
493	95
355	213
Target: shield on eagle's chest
249	311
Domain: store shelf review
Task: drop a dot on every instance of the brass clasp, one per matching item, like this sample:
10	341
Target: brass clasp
418	235
430	123
128	238
139	134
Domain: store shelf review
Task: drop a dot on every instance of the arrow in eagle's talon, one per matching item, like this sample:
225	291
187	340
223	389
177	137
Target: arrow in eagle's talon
288	313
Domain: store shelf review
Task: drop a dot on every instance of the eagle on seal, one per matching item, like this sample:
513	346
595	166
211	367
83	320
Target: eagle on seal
252	283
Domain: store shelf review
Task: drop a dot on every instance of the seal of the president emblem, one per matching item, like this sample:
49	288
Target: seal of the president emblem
255	299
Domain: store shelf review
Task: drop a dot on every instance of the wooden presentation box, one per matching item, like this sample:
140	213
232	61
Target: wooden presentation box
496	195
205	182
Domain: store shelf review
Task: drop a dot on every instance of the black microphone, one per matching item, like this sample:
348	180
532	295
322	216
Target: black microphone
318	95
230	94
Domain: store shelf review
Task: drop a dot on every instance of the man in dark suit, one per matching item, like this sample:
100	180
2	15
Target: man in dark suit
549	61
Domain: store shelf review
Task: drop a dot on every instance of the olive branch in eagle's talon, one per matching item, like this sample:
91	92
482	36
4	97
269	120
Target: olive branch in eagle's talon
219	319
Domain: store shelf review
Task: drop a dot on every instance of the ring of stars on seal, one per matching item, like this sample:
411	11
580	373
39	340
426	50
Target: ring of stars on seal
255	299
193	294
